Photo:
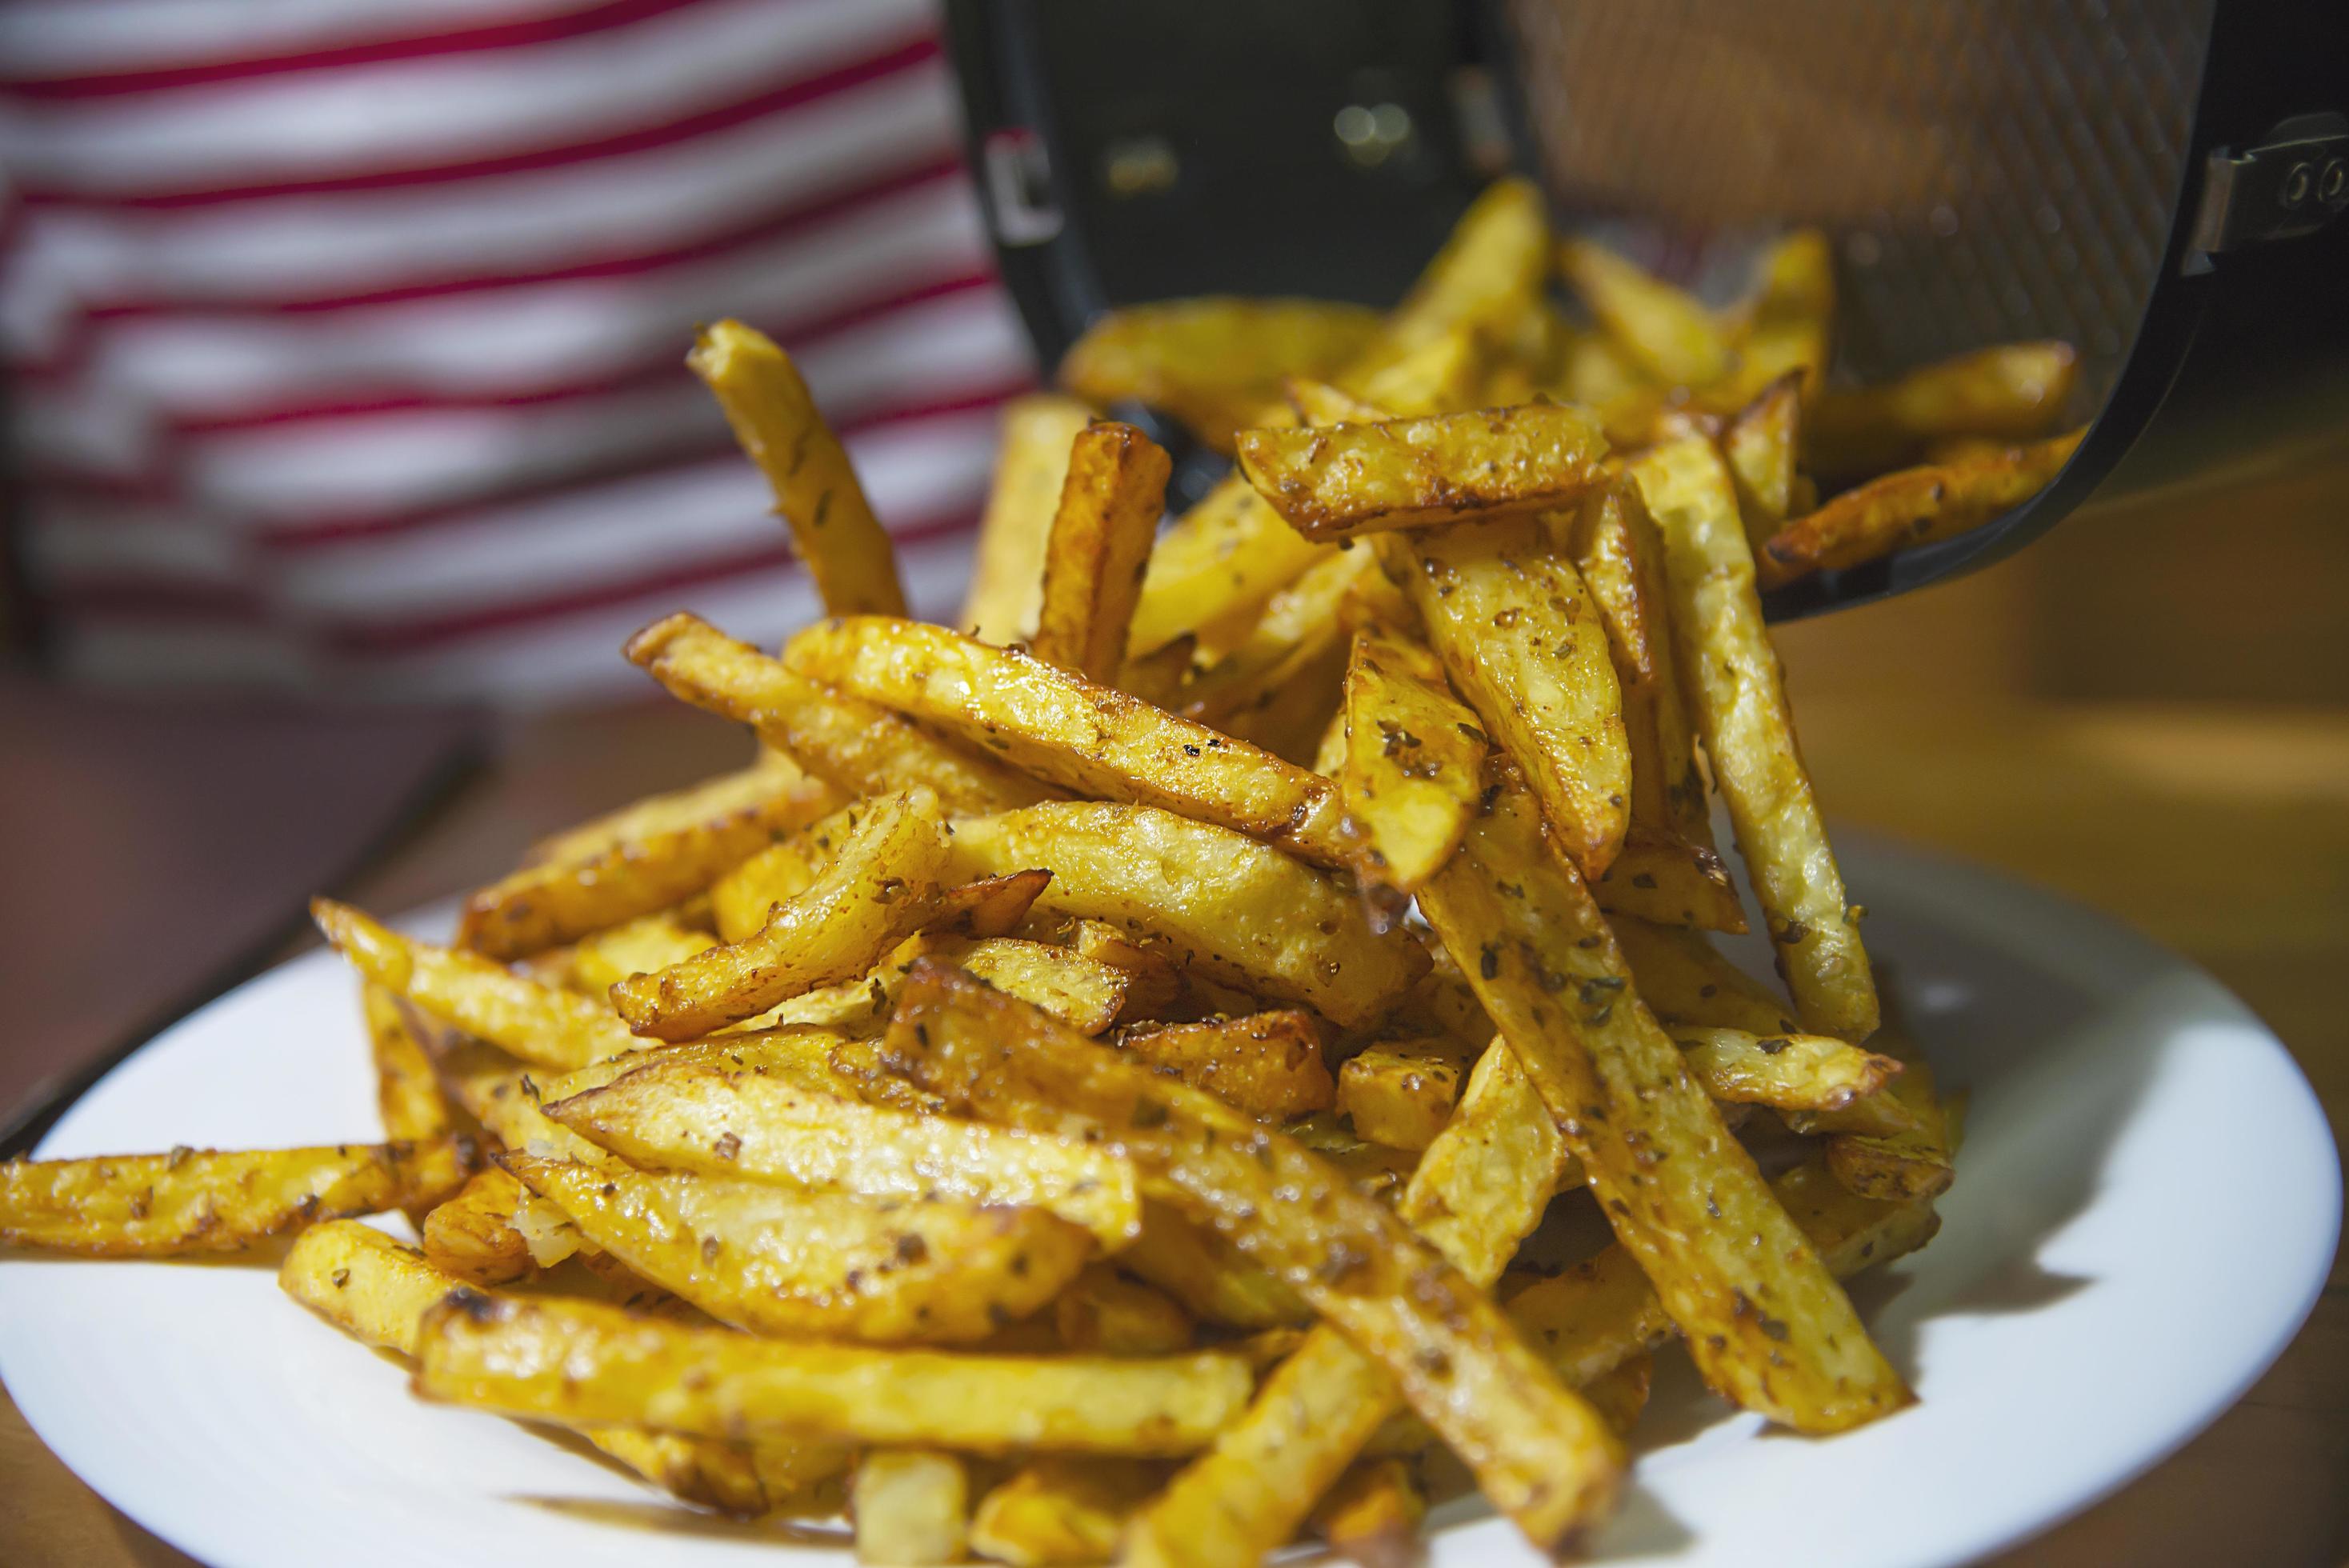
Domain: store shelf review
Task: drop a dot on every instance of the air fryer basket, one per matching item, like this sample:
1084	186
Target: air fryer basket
2150	179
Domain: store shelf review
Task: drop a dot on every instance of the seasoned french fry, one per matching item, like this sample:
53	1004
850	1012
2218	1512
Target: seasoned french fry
2014	392
1214	362
556	901
649	941
740	901
1539	1451
883	883
1785	1072
859	747
1069	730
1517	633
1767	1325
1236	909
817	1264
377	1291
1100	539
1152	981
721	1110
1734	684
406	1092
1057	1510
1684	980
846	549
473	1235
1912	507
1411	780
1664	330
577	1361
1102	1313
1373	1514
910	1506
1399	1095
1299	626
1340	480
1661	877
1007	572
205	1201
537	1023
1897	1163
1760	444
1217	563
1204	1273
1268	1064
666	812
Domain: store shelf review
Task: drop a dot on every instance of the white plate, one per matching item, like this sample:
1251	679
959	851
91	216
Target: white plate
2146	1205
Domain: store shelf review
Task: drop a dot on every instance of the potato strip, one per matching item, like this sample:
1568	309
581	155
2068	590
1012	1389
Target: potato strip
1100	539
1007	572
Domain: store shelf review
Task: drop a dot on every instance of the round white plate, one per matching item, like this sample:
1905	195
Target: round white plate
2146	1204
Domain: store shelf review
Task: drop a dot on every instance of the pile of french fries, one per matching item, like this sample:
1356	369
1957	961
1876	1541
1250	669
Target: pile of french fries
1094	1085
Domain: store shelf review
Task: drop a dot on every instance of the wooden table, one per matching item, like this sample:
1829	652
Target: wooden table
2223	834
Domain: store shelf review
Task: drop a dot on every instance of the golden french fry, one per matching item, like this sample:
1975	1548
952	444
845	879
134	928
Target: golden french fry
1401	1094
1785	1072
544	905
1664	329
1411	768
1056	1511
649	941
846	549
1490	272
577	1361
666	812
206	1200
1103	1312
1214	362
473	1235
883	883
1266	1064
1007	572
910	1506
1373	1514
1760	444
722	1110
2014	392
1100	539
406	1091
1338	481
1217	563
1684	980
1897	1163
740	901
1152	981
1079	991
1300	623
537	1023
1207	1275
817	1264
1912	507
1238	911
1736	688
1517	633
1767	1323
1062	728
1663	877
857	747
1288	722
1538	1450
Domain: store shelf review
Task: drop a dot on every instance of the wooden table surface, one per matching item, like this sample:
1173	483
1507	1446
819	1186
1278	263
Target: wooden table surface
2221	833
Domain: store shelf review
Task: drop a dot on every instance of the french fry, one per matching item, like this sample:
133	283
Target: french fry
1538	1450
377	1291
1204	1271
1299	626
910	1506
1767	1325
1411	782
582	1361
1489	273
1615	549
1066	730
1007	572
1103	1312
1266	1064
1399	1095
1895	1163
2014	392
740	901
205	1201
882	883
845	548
1684	980
1214	362
1100	542
1912	507
1057	1510
469	993
1152	981
1289	721
666	812
1663	877
1480	1189
724	1112
1081	992
406	1092
857	747
1760	444
1787	323
1217	563
473	1235
1664	330
1338	481
542	906
1519	638
1735	686
639	946
1785	1072
1373	1514
817	1264
1236	909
